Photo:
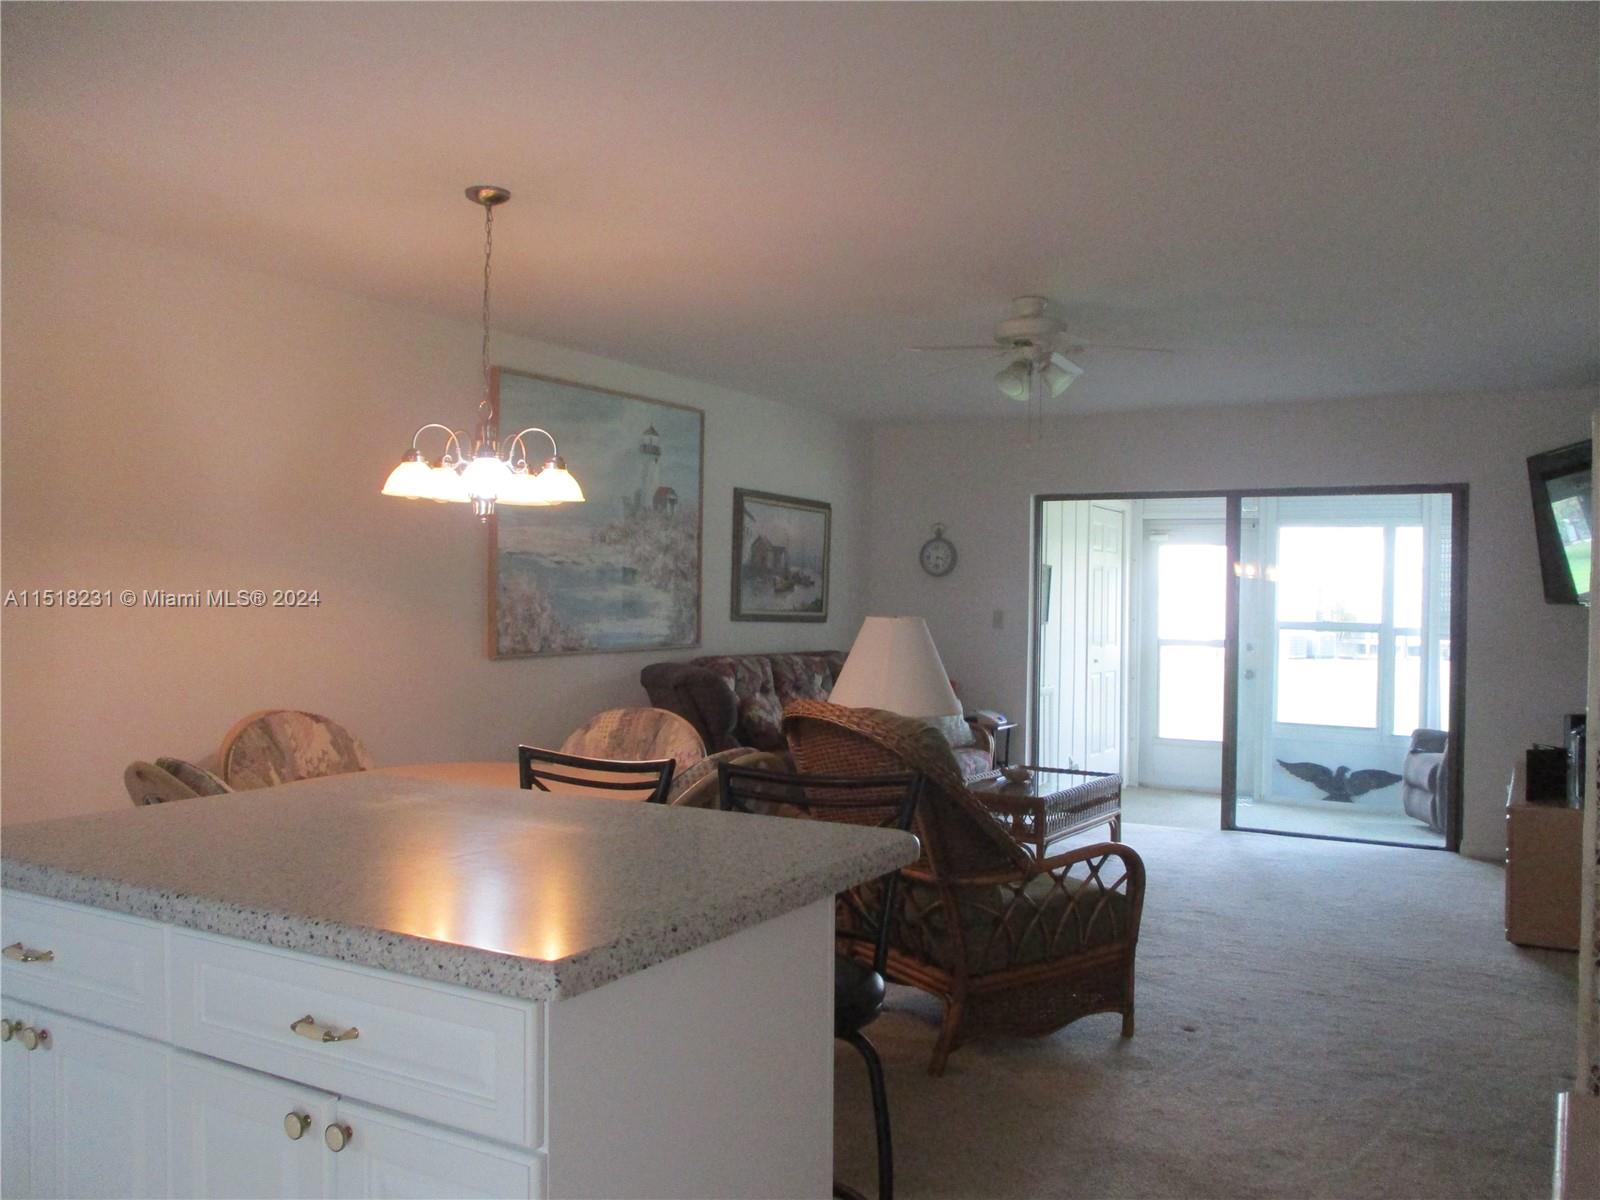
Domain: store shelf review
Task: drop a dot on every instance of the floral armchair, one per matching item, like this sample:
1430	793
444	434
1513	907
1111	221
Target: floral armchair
1009	942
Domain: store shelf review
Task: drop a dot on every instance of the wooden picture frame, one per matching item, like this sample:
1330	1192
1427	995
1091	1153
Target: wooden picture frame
781	557
620	572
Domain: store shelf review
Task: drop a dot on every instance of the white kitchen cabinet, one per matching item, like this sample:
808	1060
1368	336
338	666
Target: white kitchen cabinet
239	1133
500	993
92	1106
392	1158
15	1114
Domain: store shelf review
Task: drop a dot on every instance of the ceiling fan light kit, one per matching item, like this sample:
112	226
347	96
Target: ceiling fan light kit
1030	334
1059	372
1055	372
1013	380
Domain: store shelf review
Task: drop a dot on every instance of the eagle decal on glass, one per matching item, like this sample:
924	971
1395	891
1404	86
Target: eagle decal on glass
1343	785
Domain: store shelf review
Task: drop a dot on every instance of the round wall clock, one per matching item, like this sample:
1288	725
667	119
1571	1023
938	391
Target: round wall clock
938	555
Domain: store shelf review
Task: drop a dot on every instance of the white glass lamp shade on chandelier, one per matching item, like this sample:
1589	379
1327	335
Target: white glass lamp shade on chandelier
497	472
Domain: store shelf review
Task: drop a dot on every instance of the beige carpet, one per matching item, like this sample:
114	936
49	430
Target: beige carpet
1315	1019
1366	820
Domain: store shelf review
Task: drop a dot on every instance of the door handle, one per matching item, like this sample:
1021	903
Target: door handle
307	1027
17	952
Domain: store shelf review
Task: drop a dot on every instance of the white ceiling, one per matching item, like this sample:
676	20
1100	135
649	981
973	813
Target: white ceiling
1310	201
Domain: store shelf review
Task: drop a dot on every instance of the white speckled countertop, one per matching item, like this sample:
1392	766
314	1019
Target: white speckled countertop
523	894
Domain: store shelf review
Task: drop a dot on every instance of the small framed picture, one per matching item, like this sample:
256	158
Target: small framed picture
780	557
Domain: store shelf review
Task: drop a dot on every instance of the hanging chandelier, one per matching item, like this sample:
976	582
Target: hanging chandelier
497	471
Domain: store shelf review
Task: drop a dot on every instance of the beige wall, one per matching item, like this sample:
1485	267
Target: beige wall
170	422
1525	659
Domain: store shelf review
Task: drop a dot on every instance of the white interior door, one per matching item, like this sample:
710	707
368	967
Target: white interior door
1103	612
1081	621
1053	700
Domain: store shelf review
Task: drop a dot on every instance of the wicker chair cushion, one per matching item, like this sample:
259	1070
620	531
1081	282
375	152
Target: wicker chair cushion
698	786
637	733
759	712
282	745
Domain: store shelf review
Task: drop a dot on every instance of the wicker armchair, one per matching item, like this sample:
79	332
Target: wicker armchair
1009	942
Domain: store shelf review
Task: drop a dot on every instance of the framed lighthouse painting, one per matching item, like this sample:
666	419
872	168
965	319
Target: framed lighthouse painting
620	571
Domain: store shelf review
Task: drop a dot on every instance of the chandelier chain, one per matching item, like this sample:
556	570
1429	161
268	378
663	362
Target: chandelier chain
488	254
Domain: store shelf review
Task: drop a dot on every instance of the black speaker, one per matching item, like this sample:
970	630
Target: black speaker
1547	775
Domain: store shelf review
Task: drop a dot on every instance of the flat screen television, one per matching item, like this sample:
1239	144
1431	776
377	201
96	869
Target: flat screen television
1563	518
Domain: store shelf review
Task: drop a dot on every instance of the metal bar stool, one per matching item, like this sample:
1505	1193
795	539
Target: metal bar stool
883	800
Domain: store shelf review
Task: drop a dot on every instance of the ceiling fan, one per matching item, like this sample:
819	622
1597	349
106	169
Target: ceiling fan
1035	338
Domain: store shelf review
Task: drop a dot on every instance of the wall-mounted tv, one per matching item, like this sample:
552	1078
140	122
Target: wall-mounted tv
1563	518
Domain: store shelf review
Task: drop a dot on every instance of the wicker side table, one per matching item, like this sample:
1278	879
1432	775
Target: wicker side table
1052	803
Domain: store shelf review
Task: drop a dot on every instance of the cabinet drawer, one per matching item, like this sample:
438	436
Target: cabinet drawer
458	1058
102	966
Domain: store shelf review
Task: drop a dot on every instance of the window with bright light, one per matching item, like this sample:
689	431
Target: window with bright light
1348	596
1330	574
1191	598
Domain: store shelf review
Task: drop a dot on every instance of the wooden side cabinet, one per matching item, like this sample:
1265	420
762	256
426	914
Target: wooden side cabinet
1544	875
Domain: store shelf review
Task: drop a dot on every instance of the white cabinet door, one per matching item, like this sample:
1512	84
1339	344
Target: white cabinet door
97	1111
231	1133
390	1158
16	1119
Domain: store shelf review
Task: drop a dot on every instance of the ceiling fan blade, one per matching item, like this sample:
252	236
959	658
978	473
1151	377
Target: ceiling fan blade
978	346
1077	345
965	364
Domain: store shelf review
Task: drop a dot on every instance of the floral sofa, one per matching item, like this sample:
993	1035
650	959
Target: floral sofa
738	700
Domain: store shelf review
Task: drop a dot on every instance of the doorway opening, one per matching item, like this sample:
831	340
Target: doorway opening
1284	662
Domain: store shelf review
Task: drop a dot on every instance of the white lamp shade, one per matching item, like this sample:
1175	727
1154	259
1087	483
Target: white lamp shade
446	486
411	480
557	485
485	475
1059	374
524	491
894	665
1013	381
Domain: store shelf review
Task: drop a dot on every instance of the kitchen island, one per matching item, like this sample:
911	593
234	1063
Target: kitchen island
378	986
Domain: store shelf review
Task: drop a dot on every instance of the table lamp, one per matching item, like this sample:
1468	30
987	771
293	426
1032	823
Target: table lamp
894	665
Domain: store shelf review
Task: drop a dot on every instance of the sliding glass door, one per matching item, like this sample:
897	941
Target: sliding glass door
1343	665
1284	663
